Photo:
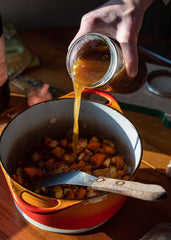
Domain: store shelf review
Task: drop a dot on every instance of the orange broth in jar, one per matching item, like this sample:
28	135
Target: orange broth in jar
91	66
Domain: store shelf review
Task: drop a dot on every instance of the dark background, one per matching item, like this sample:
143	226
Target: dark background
34	14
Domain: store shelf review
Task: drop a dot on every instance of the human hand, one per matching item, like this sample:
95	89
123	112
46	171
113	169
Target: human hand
120	20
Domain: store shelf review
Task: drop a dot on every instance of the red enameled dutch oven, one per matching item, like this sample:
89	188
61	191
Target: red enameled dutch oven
55	118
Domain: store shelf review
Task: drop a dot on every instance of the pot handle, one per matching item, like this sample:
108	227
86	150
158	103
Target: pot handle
58	204
111	100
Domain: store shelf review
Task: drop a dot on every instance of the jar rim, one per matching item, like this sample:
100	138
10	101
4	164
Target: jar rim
113	57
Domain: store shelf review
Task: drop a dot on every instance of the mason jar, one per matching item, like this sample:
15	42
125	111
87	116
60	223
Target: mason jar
96	61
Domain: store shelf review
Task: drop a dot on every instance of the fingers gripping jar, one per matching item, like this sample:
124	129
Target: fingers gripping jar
4	84
96	61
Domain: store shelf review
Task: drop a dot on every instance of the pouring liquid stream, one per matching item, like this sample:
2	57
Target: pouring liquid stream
88	69
78	90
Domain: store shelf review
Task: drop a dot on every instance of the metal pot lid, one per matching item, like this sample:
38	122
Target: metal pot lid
159	83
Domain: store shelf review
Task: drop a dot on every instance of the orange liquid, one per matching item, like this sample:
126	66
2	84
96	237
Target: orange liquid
88	69
78	90
91	66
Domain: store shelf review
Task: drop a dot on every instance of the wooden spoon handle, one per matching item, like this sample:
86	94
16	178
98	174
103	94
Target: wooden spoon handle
142	191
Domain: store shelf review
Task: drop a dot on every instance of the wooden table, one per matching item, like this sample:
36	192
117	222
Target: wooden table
136	217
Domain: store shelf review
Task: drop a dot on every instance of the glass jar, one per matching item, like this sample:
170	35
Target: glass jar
4	83
96	61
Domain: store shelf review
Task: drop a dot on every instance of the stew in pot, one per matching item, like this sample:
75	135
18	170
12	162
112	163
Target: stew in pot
95	156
